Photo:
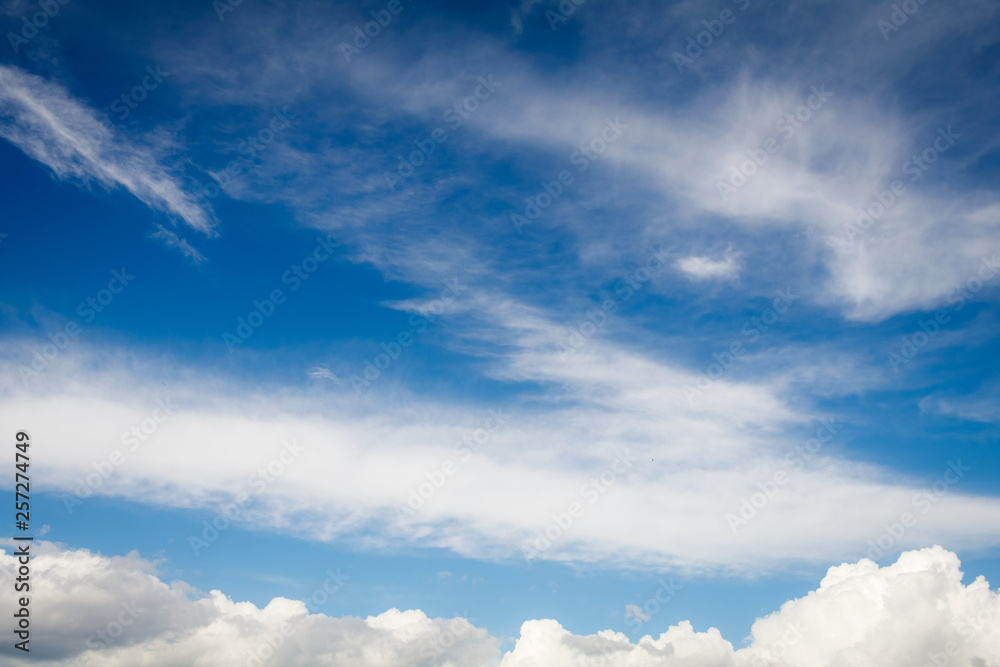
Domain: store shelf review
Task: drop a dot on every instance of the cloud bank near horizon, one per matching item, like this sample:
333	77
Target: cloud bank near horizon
115	611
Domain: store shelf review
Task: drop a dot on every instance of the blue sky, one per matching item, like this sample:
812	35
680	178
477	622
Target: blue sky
678	236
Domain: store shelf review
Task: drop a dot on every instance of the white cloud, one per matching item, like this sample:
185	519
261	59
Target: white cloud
914	612
323	373
731	439
704	268
981	406
635	612
365	457
825	171
674	155
44	120
172	240
116	612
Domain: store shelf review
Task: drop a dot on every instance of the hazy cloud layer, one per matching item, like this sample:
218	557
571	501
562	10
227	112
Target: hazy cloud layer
477	480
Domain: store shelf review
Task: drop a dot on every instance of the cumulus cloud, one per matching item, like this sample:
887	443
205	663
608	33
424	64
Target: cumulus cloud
92	609
914	612
45	121
115	612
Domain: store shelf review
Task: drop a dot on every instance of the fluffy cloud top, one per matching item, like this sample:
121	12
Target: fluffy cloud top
114	611
914	612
